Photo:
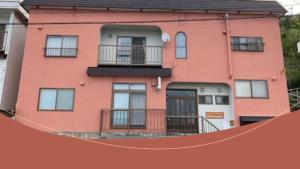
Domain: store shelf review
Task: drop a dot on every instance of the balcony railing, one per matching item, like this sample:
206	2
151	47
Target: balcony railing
130	55
294	98
63	52
144	122
255	47
3	37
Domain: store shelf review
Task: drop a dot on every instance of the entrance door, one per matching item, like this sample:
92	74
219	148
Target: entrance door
182	116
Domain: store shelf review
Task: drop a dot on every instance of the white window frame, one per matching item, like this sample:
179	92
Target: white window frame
211	97
217	103
130	89
181	47
245	46
251	89
61	48
56	99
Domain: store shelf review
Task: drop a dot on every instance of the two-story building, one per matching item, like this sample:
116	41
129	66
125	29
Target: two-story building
13	20
154	67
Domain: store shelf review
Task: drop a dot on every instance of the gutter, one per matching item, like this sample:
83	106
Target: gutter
230	71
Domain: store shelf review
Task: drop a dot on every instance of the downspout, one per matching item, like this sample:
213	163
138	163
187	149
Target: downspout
230	71
228	46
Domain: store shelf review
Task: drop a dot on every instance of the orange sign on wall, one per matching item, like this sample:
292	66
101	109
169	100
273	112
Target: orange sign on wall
215	115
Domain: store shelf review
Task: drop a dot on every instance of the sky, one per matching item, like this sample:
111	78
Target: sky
293	6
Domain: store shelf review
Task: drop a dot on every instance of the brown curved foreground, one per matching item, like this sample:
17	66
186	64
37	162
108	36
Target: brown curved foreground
274	145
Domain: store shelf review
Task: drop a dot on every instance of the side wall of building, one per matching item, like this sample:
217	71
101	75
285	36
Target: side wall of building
14	64
5	17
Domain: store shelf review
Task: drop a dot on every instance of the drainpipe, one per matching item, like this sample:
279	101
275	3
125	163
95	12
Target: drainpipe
228	46
230	71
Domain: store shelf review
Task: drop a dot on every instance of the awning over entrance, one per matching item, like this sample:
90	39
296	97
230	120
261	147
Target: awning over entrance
123	71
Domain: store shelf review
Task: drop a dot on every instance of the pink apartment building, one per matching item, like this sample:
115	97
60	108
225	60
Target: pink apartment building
151	67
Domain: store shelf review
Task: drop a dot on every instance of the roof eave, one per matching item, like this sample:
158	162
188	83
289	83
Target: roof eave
28	7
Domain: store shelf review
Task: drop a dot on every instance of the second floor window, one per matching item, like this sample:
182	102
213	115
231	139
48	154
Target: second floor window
64	46
247	44
251	89
181	52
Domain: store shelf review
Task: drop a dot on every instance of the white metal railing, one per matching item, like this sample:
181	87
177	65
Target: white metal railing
294	98
130	55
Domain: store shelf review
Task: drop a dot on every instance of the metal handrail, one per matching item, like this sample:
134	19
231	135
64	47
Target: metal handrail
294	95
210	123
153	120
296	89
147	55
294	98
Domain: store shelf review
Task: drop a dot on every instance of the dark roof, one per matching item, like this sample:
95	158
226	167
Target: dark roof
124	71
210	5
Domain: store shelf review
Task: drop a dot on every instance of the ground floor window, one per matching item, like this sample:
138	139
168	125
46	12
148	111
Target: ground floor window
222	100
56	99
207	99
129	102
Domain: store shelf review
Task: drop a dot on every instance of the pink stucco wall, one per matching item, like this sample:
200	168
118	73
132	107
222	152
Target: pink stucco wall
207	62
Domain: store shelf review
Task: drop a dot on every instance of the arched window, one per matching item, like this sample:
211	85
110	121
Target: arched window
181	45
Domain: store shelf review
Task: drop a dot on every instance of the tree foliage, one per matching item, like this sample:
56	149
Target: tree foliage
290	33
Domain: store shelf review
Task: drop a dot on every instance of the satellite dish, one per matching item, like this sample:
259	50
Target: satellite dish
165	37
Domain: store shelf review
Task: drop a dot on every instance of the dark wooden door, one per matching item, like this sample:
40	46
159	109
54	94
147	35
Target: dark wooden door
182	114
138	50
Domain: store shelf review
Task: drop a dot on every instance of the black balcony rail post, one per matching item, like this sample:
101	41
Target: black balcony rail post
99	51
145	118
128	122
202	125
101	122
165	121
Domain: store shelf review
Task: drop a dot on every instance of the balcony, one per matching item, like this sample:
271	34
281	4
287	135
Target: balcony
134	55
154	122
130	50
